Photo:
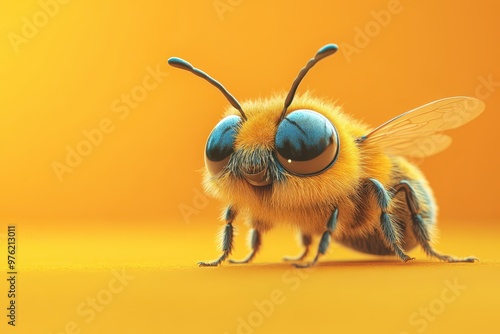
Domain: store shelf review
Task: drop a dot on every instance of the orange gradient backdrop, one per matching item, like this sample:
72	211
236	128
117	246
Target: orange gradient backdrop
91	76
71	72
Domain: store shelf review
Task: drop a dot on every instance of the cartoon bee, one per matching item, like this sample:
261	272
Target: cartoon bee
301	161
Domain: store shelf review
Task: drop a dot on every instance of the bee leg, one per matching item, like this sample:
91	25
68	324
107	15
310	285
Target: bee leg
255	242
419	229
325	240
227	240
306	242
391	235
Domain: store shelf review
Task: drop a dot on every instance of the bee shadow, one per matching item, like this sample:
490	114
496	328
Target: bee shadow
363	263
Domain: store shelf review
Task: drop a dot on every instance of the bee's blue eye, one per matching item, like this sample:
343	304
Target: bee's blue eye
220	144
306	142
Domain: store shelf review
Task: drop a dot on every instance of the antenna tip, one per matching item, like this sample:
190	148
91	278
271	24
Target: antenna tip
327	50
180	63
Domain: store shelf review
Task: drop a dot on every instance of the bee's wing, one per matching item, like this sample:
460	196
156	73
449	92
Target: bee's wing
417	133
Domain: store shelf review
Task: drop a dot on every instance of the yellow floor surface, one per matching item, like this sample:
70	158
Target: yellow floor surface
141	278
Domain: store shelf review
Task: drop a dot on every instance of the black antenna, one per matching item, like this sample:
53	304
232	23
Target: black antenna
325	51
182	64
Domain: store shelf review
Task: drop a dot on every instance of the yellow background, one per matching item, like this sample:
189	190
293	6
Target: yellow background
122	205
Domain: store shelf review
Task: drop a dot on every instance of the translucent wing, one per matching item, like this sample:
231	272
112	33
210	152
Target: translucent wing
417	133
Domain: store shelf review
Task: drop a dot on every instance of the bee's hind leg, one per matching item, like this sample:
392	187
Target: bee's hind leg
389	229
255	242
325	240
419	228
306	242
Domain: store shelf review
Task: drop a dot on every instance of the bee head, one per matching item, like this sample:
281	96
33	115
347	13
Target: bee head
263	142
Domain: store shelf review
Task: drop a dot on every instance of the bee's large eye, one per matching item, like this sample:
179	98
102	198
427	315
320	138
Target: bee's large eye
220	144
307	143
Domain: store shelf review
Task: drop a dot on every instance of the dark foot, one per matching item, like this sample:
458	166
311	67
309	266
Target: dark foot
303	265
308	264
209	264
401	254
407	258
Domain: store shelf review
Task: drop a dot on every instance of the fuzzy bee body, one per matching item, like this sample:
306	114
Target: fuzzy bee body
307	203
312	167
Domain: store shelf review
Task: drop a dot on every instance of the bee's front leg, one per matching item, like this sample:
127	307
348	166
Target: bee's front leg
391	235
227	239
306	242
325	240
255	242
